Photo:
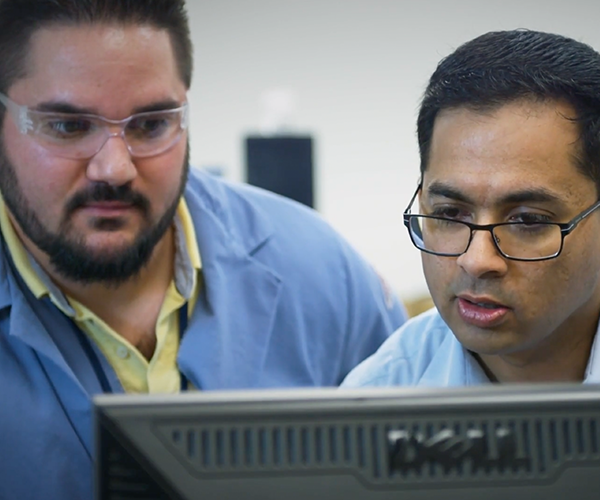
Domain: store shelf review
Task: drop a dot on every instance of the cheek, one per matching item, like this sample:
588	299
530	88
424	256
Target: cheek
577	270
438	273
556	288
40	175
161	175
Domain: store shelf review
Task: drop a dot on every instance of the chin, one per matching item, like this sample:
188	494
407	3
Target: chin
109	241
488	343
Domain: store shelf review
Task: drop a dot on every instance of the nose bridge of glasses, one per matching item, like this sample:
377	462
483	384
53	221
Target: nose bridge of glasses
484	235
482	256
111	129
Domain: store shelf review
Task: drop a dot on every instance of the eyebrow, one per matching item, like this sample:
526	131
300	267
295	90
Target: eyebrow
538	195
65	107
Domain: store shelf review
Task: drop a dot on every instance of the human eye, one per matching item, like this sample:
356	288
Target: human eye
452	213
150	126
530	223
530	218
65	127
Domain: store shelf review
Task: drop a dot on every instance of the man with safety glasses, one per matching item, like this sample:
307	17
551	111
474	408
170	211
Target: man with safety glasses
506	217
122	269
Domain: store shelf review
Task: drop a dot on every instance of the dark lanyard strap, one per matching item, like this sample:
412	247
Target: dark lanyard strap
92	356
97	365
183	323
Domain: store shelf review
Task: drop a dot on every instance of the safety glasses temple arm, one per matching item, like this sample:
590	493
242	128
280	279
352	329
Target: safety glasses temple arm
20	114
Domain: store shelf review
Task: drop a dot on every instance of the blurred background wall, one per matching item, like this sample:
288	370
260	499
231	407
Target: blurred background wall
357	69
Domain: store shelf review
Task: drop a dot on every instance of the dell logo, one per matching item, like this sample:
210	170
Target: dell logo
411	450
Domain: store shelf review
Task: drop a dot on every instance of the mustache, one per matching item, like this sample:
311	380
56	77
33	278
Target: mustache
104	192
489	288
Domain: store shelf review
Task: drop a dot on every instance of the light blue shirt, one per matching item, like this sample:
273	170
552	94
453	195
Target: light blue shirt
425	352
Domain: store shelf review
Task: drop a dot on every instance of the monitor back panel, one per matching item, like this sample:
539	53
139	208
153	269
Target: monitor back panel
329	450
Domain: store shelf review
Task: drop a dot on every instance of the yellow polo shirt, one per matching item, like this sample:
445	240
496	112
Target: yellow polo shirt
137	375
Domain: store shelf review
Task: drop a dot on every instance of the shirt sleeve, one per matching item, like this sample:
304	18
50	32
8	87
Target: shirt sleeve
374	311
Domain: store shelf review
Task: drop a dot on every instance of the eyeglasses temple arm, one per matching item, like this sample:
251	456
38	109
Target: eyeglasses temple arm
573	224
20	114
414	196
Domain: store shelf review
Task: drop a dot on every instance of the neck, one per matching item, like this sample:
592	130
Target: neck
131	308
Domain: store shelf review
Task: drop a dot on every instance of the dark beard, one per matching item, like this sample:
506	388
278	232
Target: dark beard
69	256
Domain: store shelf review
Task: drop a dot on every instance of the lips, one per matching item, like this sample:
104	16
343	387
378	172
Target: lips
483	312
107	208
108	204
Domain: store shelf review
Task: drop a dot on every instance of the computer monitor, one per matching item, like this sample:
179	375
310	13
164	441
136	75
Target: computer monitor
490	443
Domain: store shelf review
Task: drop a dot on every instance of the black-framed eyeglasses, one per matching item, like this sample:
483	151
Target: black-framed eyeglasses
525	241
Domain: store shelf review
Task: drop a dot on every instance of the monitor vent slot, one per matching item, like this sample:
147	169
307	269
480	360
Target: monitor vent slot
266	446
391	451
124	479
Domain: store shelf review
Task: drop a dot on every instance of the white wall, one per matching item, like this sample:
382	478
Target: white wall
359	68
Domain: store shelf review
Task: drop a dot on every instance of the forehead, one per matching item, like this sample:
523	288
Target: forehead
102	67
523	145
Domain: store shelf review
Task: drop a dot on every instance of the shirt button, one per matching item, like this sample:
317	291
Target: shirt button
122	352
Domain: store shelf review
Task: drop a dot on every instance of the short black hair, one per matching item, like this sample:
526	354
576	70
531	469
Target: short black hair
500	67
20	19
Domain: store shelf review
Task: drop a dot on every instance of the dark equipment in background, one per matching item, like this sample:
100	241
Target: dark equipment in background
282	164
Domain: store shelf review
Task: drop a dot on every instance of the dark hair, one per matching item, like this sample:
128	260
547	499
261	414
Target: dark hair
20	19
500	67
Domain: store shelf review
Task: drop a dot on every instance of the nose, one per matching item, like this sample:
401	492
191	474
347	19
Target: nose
482	258
112	164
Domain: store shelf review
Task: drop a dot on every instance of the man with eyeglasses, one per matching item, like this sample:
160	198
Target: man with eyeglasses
506	217
122	269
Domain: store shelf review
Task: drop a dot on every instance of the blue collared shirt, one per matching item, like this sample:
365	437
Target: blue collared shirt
425	352
284	302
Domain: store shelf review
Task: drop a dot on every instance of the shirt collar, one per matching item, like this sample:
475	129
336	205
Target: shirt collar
187	255
592	372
